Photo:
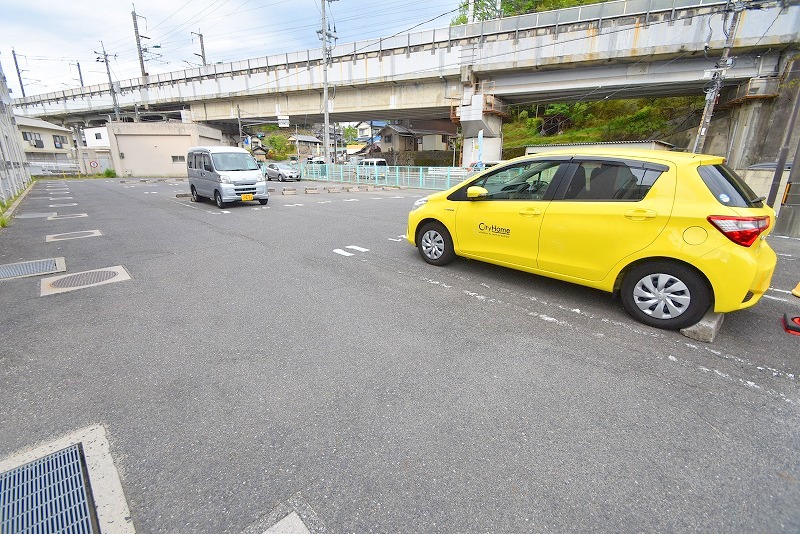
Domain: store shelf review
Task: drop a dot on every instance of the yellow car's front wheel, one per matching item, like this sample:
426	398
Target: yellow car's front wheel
435	244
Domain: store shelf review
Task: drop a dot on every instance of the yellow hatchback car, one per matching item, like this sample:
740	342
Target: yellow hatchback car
672	233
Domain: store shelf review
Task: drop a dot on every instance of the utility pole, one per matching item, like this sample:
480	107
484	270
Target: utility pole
80	75
239	118
138	39
104	59
19	74
202	54
717	77
325	35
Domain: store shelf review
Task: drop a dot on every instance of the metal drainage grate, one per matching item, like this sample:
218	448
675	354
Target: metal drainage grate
50	494
32	268
87	278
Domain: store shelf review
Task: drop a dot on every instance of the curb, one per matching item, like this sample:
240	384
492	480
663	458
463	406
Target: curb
706	329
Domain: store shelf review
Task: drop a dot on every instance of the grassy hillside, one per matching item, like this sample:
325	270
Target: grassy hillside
587	122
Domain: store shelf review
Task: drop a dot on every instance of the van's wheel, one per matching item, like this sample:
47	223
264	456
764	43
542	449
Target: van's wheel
218	200
435	244
195	196
263	202
665	294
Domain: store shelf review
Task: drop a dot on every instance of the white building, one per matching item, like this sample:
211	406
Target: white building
14	175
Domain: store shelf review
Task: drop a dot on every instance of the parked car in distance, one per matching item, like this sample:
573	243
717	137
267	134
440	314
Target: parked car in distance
477	166
226	174
372	162
672	234
281	172
372	168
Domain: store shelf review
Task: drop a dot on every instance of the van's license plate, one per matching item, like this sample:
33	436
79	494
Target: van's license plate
247	197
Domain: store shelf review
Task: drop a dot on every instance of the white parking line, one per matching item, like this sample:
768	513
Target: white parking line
350	200
359	249
342	252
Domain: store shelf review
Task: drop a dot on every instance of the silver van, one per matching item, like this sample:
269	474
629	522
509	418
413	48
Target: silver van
226	174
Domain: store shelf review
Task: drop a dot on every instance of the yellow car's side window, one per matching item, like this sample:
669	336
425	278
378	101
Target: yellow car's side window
605	181
526	181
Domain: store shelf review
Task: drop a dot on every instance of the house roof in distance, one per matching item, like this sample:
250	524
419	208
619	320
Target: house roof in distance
38	123
305	138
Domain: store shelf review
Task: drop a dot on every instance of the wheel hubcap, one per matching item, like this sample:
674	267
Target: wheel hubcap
661	296
433	244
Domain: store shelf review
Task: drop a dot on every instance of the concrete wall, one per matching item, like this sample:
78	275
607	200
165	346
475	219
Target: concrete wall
157	149
433	142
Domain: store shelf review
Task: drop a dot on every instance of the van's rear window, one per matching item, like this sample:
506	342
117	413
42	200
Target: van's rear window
728	188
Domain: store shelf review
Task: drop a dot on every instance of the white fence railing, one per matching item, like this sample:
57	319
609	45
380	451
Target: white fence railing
438	178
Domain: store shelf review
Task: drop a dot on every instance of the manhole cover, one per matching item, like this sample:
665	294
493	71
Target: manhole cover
71	282
50	494
83	279
32	268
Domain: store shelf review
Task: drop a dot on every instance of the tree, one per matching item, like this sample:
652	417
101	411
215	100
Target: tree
487	9
350	134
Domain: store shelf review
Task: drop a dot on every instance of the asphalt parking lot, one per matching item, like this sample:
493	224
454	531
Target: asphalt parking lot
299	362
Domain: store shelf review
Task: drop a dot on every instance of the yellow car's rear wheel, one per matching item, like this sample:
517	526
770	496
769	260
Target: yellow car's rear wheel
665	294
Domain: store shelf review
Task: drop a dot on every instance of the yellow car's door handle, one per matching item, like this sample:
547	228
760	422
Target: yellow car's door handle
530	212
640	214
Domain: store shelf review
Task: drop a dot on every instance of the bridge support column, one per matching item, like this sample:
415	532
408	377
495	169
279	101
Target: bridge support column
484	113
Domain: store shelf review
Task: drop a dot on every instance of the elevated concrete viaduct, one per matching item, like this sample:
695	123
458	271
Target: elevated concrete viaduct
471	73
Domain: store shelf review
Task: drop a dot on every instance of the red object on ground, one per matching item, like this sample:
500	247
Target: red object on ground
791	324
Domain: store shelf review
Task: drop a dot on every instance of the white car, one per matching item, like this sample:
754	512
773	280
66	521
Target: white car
281	171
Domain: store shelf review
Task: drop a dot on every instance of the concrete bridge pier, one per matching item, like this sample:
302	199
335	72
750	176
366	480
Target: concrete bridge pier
751	125
482	113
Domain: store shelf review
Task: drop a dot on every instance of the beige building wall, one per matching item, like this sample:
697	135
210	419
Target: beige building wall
434	142
48	147
148	149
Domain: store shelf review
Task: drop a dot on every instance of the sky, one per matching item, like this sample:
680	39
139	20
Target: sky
51	37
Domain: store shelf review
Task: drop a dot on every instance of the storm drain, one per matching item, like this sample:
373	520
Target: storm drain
72	235
50	494
32	268
71	282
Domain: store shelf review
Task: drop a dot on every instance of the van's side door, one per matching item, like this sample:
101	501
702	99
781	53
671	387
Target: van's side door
207	176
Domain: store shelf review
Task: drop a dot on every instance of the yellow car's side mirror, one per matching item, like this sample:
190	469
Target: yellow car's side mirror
475	193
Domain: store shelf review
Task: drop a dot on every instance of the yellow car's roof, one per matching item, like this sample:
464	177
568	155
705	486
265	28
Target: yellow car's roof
632	153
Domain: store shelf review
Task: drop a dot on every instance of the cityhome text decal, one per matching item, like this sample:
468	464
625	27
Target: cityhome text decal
492	229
